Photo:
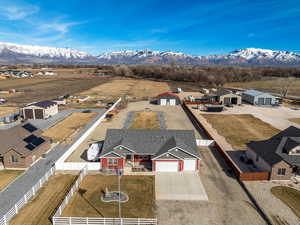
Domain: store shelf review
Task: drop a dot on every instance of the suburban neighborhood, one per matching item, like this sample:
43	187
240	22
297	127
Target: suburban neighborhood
169	144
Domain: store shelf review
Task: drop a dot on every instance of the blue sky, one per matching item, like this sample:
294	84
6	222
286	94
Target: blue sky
195	27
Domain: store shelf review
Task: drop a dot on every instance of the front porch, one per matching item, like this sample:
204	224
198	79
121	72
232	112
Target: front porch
138	163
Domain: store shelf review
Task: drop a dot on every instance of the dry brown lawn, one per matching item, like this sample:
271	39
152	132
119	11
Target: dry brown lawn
7	176
240	129
145	120
47	87
41	208
272	85
6	110
295	120
140	190
290	196
64	129
134	89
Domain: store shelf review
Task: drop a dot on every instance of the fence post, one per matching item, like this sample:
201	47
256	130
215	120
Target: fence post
70	220
33	191
16	208
25	198
4	218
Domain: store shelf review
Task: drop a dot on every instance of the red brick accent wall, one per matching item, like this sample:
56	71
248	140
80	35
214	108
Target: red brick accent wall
104	163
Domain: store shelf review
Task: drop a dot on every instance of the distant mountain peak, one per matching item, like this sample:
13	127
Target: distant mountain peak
11	53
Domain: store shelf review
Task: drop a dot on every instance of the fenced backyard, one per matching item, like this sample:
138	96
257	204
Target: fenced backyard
4	220
57	220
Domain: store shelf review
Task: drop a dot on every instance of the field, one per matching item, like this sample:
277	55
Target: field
87	202
239	129
133	89
43	88
40	209
145	120
272	85
295	120
7	110
290	196
7	176
64	129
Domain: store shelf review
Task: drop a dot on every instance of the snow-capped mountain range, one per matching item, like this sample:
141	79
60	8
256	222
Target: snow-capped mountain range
14	53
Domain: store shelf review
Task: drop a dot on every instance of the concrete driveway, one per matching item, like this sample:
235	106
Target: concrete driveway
179	186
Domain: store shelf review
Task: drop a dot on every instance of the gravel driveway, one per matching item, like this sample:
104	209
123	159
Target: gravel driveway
278	117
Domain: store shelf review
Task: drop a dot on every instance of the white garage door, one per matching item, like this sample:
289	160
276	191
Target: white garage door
163	101
172	102
166	166
189	165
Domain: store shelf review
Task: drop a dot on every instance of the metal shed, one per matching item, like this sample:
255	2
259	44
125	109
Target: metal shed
255	97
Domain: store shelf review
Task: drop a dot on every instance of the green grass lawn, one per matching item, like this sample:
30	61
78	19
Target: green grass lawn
290	196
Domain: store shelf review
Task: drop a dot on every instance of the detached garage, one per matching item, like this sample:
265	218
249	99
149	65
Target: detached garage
168	99
40	110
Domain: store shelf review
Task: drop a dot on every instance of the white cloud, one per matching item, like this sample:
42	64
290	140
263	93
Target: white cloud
14	12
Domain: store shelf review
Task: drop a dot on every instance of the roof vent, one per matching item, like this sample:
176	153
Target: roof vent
167	154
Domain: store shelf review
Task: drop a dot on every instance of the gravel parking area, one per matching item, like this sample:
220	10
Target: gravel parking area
175	118
278	117
274	207
227	202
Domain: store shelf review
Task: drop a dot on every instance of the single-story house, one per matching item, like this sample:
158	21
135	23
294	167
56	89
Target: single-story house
40	110
255	97
22	145
154	150
60	101
279	155
167	99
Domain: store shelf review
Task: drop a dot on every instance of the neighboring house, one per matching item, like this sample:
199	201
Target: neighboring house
255	97
60	101
22	145
154	150
47	73
167	99
225	97
81	99
40	110
279	155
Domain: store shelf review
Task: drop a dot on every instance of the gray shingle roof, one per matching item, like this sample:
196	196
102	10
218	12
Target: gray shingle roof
268	149
222	92
152	142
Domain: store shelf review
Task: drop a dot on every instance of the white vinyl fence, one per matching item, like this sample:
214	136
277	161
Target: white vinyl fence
62	165
23	201
73	189
201	142
103	221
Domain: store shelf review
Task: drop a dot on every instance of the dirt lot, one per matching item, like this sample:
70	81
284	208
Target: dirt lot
174	115
280	213
290	196
7	176
295	120
133	89
87	203
43	88
41	208
64	129
227	203
7	110
240	129
277	117
273	85
145	120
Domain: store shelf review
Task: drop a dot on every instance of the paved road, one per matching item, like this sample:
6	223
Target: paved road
14	192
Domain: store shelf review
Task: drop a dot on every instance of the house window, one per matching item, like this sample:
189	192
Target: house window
112	162
281	171
14	159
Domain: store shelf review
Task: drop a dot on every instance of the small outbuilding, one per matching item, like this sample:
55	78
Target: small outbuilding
226	97
40	110
168	99
255	97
